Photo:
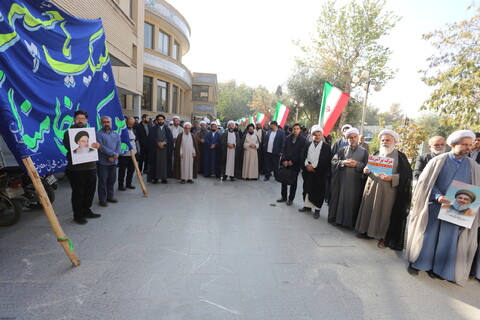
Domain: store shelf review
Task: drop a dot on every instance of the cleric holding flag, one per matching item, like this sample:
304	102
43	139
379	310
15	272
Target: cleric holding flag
386	198
82	176
441	248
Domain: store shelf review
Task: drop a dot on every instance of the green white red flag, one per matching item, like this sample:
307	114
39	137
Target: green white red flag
333	102
261	117
251	120
281	114
218	122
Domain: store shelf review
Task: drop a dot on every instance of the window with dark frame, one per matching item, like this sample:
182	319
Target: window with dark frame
147	93
148	36
163	43
200	93
175	107
176	51
162	96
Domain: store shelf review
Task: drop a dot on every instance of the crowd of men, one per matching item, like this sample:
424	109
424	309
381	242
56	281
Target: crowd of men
375	205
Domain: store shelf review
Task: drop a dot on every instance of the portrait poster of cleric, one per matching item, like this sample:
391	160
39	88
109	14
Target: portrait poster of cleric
463	206
81	140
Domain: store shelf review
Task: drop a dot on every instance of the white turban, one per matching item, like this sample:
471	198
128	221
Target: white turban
176	117
350	131
455	137
316	128
259	122
202	122
171	122
346	126
187	124
206	120
230	122
390	132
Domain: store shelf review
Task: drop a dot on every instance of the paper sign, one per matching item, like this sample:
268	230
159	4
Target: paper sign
81	140
463	206
378	164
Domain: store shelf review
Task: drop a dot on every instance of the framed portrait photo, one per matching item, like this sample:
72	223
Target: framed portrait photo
81	140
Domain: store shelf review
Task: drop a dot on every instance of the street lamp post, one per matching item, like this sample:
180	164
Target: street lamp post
365	75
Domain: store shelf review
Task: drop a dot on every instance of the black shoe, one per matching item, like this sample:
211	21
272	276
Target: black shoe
190	181
92	215
282	200
112	200
232	179
266	178
121	188
316	214
289	203
182	182
224	178
363	236
412	271
154	181
80	220
305	209
130	187
433	275
103	204
164	181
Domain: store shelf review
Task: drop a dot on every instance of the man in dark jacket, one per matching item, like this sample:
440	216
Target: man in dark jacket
82	176
437	146
272	147
160	151
291	159
142	130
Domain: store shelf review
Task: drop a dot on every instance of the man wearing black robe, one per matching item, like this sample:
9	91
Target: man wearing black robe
314	172
347	182
160	142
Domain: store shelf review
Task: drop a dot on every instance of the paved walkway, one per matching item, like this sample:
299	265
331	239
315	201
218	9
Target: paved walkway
212	250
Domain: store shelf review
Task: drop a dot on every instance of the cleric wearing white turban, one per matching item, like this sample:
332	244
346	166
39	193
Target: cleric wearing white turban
456	136
386	197
439	247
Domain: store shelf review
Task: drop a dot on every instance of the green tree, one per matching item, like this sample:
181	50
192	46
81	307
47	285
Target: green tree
411	137
347	42
454	73
262	101
394	116
307	87
233	100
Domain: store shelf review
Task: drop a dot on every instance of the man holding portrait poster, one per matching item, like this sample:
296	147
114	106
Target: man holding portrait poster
82	166
444	249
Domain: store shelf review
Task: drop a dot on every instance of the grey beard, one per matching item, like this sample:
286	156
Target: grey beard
437	152
385	150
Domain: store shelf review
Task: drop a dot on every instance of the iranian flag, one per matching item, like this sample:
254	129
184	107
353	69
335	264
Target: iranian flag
261	117
281	114
251	120
218	122
333	102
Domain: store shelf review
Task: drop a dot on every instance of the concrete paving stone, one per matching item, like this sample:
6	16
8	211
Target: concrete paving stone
212	250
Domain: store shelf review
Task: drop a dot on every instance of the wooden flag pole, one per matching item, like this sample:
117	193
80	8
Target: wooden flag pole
47	206
139	174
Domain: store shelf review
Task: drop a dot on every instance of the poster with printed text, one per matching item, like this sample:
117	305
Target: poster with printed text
378	164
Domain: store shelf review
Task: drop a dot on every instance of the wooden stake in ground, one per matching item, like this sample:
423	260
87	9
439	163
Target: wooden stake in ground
65	242
139	174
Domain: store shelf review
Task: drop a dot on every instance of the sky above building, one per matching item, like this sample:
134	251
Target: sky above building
251	41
